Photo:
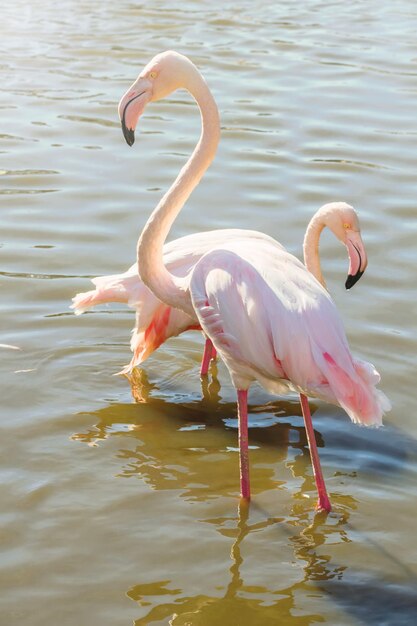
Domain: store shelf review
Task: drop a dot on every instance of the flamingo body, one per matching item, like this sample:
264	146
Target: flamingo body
155	321
271	321
269	317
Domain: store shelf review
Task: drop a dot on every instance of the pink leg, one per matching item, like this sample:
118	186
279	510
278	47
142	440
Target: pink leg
242	408
208	354
323	501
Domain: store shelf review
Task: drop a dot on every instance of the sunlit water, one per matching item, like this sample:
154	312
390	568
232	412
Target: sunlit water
120	505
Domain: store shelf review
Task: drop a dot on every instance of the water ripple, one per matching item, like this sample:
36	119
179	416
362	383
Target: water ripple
317	102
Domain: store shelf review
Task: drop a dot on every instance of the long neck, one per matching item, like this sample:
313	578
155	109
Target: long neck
311	248
166	287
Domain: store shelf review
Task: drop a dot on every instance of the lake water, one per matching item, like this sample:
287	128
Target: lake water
120	505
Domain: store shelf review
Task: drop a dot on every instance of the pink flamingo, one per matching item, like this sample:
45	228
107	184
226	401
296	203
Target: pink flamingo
155	321
269	317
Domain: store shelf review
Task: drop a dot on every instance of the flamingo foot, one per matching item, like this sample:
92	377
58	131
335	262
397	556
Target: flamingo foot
208	354
242	405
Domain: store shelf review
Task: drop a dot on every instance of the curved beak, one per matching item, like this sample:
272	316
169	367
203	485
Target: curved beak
131	107
357	258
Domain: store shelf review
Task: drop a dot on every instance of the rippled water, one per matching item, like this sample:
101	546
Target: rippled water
120	505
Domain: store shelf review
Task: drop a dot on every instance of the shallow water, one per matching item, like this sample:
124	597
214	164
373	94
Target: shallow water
120	504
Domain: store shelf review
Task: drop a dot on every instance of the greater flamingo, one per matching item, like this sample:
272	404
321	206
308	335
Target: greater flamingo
269	317
155	321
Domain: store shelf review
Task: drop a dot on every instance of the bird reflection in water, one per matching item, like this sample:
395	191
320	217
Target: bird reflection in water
141	387
360	594
185	446
253	604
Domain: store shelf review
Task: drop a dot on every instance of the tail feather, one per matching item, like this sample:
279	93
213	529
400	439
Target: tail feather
356	390
103	294
86	300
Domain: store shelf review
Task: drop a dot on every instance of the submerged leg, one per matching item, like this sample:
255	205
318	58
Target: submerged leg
208	354
323	501
242	409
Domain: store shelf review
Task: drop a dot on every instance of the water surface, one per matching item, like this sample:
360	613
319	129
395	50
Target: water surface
120	504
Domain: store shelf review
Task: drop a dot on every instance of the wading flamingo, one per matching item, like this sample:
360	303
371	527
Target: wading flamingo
269	317
155	321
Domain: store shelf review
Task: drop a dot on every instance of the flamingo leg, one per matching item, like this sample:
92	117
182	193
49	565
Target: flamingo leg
323	503
242	408
208	354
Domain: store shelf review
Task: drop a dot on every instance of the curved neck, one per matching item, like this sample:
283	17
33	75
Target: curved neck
311	248
168	288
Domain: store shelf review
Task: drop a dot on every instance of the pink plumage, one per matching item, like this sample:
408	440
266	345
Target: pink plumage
180	256
271	321
269	317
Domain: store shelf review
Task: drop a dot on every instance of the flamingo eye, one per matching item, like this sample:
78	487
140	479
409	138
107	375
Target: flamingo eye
153	75
346	226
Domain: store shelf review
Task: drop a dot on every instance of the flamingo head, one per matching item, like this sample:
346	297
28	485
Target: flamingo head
343	221
164	74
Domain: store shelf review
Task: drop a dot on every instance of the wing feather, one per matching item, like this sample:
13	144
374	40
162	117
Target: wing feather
271	321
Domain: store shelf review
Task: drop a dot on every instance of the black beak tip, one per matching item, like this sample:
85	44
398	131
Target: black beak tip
352	279
129	135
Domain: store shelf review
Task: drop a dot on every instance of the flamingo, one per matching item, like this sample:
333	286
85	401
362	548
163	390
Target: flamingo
155	321
269	317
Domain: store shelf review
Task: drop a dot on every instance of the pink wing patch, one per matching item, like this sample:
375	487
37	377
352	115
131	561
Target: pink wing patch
155	333
357	397
145	342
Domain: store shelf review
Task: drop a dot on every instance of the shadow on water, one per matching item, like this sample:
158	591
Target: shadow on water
185	446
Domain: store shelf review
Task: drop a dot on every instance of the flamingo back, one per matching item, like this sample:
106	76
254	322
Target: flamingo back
273	322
